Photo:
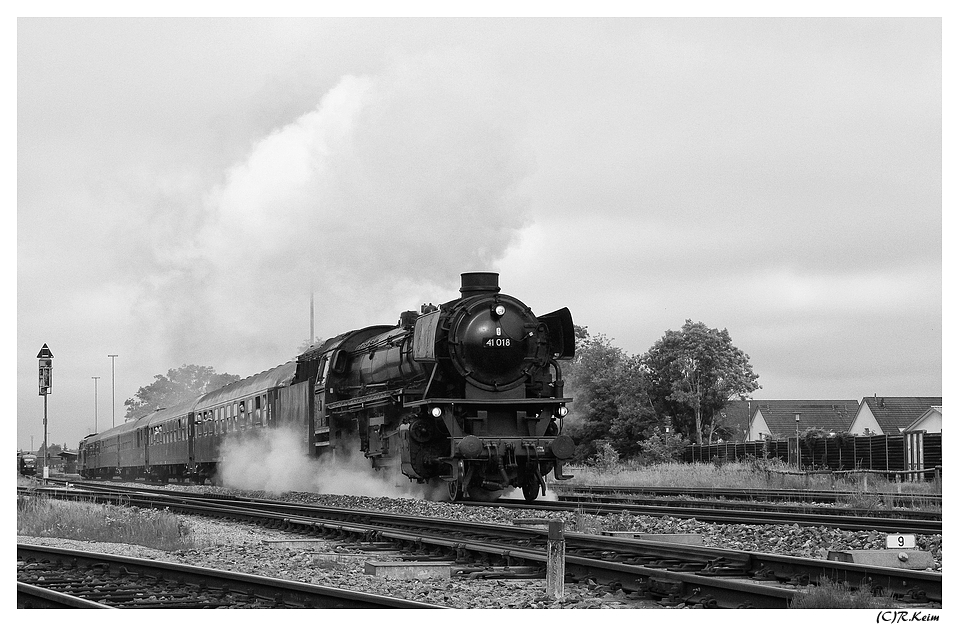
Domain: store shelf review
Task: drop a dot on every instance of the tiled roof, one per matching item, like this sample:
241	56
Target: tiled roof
831	415
898	412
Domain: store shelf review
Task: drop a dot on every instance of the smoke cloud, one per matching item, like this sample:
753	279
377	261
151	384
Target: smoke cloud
395	182
274	461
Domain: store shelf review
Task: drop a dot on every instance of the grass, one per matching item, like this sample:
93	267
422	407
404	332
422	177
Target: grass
831	595
873	492
86	521
737	475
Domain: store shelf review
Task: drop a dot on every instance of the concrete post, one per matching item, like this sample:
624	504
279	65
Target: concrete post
555	560
555	554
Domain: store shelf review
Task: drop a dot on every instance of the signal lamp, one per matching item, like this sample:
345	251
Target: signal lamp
499	310
562	411
436	411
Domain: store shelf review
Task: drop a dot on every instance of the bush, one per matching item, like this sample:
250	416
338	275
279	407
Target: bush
606	459
660	448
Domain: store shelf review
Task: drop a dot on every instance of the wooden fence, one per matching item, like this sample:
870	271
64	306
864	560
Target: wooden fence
916	453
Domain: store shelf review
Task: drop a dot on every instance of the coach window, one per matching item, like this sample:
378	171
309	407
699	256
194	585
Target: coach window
242	418
257	414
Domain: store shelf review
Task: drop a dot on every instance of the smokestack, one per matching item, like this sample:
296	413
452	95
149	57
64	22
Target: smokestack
474	283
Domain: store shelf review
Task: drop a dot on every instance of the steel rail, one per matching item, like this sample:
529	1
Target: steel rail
733	516
800	495
823	509
279	591
34	597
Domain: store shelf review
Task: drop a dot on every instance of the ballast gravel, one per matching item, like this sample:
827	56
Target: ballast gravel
245	548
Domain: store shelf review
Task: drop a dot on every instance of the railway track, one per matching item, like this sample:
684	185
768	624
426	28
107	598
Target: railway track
707	512
673	573
51	577
755	495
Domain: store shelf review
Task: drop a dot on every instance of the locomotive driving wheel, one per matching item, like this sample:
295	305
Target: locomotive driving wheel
455	492
530	486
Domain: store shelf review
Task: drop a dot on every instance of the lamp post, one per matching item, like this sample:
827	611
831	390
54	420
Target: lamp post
797	424
96	406
113	363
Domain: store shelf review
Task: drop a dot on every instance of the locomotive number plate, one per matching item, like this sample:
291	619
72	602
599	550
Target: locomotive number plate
497	342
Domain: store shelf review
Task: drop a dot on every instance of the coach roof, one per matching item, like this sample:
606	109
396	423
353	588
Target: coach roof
279	376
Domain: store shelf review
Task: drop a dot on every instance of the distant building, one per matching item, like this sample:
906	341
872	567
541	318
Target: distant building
776	419
930	421
893	416
68	461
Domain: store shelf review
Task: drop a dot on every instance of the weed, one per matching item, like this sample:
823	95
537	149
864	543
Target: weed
832	595
86	521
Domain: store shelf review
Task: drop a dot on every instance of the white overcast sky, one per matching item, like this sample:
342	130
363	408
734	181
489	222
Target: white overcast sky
182	182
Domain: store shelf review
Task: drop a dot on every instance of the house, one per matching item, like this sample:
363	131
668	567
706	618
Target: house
776	419
893	416
930	421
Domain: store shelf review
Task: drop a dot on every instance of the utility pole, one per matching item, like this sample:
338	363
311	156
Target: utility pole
96	406
113	361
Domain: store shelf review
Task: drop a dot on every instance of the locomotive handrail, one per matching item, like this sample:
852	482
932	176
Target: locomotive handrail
467	401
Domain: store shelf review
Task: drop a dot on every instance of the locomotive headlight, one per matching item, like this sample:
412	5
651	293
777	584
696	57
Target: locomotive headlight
499	310
436	411
562	411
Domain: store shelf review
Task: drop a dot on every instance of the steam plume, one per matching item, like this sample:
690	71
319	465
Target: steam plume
381	195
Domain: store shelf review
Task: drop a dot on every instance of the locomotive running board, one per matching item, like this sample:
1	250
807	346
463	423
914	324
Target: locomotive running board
362	401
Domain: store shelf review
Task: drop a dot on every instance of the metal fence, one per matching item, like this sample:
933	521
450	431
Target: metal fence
914	453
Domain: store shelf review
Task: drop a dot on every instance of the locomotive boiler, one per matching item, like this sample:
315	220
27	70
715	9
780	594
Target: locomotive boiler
466	396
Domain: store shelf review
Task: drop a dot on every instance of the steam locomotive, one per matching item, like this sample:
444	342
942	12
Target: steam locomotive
466	396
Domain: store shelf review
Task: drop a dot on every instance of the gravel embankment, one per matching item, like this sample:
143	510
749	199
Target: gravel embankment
243	547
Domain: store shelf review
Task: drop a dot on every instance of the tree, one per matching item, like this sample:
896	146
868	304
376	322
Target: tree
307	344
179	385
693	372
610	403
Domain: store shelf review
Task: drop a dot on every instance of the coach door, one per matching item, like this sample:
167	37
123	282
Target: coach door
143	441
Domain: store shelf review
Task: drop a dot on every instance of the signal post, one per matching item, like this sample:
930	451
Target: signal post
46	388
